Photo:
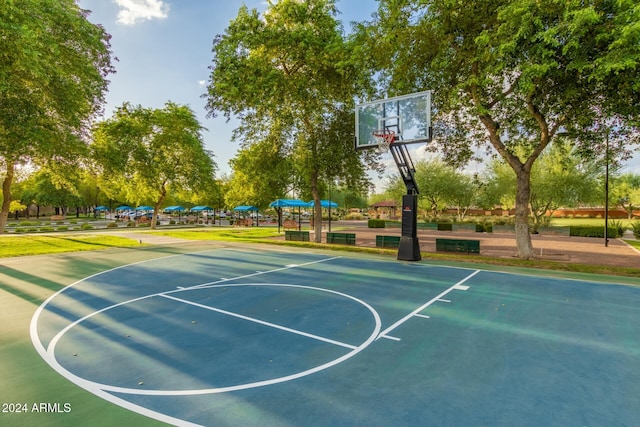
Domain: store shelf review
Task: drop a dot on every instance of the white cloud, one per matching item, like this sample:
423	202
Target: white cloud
133	11
201	83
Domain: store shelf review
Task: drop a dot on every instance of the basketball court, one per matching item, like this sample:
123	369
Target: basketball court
270	337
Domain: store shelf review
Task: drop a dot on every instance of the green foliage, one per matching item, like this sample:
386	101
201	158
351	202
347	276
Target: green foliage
28	223
290	77
618	226
112	225
512	74
593	231
86	226
376	223
146	154
625	192
636	228
53	70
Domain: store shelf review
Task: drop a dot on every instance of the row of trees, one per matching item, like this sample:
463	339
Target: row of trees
514	76
559	179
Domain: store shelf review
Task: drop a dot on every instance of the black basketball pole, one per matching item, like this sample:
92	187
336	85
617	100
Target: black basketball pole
409	248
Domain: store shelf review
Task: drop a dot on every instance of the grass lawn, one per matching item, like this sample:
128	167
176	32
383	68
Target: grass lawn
13	246
634	243
224	234
595	222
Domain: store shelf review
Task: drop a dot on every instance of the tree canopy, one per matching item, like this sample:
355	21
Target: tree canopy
290	77
145	152
53	69
513	74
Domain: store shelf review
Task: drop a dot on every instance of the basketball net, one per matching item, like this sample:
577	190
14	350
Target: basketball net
385	138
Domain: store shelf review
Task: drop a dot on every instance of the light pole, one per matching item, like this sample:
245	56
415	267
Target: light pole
606	191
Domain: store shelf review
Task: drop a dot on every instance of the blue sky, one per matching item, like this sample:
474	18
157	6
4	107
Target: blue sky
164	48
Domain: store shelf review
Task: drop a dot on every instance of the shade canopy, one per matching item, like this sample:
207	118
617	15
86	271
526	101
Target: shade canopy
101	208
144	208
245	208
124	208
289	203
324	204
174	209
201	208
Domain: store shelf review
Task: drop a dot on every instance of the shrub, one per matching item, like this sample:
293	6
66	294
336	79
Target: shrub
28	223
20	230
354	216
636	228
86	226
593	231
62	228
173	222
376	223
47	229
73	221
112	225
617	224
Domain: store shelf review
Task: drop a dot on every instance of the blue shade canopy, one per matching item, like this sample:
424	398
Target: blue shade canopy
324	204
289	203
245	208
174	209
101	208
201	208
124	208
144	208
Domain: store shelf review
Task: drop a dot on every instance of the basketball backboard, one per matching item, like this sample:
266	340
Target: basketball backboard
408	116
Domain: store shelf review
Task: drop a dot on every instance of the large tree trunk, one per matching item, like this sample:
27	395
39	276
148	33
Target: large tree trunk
6	196
317	209
156	208
523	192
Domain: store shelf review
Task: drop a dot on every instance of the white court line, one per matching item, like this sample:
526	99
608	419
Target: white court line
427	304
286	267
262	322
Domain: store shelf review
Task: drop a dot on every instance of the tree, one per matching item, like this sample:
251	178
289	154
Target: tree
626	192
514	74
53	69
150	152
560	178
261	174
290	77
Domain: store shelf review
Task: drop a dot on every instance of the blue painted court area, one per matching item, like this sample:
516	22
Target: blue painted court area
270	338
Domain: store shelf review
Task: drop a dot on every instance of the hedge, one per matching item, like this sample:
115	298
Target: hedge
376	223
593	231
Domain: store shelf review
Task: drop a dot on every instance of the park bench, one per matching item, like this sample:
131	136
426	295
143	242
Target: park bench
387	241
458	245
341	238
294	235
290	224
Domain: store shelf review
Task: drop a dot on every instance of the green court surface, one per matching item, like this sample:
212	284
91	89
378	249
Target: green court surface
269	337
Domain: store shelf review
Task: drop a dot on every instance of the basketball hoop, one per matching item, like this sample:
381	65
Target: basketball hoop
385	138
